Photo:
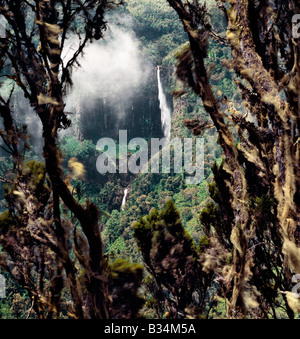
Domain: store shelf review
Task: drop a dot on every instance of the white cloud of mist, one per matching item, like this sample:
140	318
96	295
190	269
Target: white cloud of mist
24	114
112	69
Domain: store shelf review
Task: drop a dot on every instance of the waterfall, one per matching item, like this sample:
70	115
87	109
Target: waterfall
124	198
165	110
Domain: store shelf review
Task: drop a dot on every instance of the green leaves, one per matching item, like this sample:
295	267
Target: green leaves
171	257
124	281
157	26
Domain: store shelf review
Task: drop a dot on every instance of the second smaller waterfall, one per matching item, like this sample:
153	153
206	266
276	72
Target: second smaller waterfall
124	198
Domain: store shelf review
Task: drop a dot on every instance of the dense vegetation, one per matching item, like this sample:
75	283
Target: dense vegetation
227	247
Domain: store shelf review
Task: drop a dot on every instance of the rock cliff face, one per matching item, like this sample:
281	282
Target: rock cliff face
140	116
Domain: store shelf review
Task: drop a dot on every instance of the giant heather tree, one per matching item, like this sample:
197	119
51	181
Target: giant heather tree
179	285
254	223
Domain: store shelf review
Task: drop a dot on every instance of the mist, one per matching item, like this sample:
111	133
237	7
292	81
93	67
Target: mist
113	70
24	114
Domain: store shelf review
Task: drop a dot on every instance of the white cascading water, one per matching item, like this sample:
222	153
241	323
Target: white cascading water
124	199
165	110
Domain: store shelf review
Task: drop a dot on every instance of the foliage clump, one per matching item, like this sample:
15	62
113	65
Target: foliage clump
173	260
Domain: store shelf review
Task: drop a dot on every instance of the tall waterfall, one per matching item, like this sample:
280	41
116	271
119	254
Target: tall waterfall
165	110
